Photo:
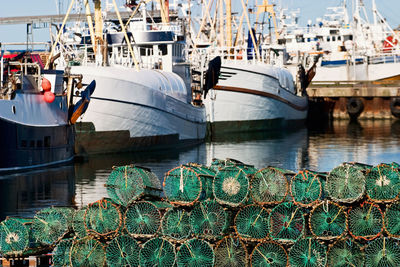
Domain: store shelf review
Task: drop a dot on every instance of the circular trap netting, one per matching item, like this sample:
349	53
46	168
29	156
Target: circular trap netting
307	252
14	236
269	254
61	253
142	219
157	252
382	183
382	252
185	185
392	220
123	251
268	186
286	222
231	185
366	221
305	188
78	223
195	252
230	251
103	219
328	220
344	253
87	252
251	223
127	183
346	183
208	219
176	223
49	225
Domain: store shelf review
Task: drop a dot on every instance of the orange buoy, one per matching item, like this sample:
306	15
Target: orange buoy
46	85
49	96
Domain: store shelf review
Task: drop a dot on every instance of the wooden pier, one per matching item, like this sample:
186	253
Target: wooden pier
355	99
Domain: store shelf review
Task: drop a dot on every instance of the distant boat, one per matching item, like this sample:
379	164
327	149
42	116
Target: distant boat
34	115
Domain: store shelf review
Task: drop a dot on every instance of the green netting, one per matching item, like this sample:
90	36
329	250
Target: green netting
268	186
328	220
186	184
230	251
103	219
382	252
14	236
49	225
305	188
128	183
231	185
344	253
395	165
346	183
392	220
195	252
251	223
142	219
123	251
269	254
216	164
78	223
286	222
87	252
382	183
61	253
176	223
365	221
208	219
68	213
307	252
157	252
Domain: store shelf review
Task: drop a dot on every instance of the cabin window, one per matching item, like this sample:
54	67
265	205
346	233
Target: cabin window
163	49
47	141
308	39
39	143
328	38
333	38
339	38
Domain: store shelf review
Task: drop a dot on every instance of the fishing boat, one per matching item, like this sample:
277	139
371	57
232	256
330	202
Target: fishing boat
145	97
35	114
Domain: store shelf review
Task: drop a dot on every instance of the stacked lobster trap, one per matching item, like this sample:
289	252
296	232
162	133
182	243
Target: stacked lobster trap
225	214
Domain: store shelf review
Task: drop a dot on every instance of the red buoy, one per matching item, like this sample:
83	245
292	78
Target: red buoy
46	85
49	96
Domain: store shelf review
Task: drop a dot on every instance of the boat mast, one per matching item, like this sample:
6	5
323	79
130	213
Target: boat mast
90	23
98	21
221	23
228	4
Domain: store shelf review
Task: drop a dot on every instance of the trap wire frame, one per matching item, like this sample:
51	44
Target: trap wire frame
231	251
175	223
157	252
142	219
14	236
365	221
195	252
382	183
306	188
391	219
345	252
61	253
307	252
269	253
87	252
251	223
382	251
123	251
78	223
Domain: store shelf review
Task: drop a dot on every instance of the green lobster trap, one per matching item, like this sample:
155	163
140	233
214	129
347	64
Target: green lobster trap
217	164
383	183
346	183
365	221
61	253
186	184
392	220
345	252
157	252
176	223
123	251
306	188
14	236
78	223
142	219
269	186
208	219
382	252
231	185
307	252
129	183
328	221
286	223
103	219
269	254
87	252
195	252
50	225
230	252
251	223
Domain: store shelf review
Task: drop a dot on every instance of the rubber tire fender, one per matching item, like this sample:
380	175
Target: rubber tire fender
395	107
355	107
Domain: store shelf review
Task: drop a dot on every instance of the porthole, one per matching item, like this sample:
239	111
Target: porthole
13	109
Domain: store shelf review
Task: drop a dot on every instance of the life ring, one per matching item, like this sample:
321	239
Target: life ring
395	107
354	107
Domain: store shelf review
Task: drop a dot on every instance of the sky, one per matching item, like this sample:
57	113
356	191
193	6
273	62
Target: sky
309	9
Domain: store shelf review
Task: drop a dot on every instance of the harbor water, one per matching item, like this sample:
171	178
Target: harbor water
317	147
